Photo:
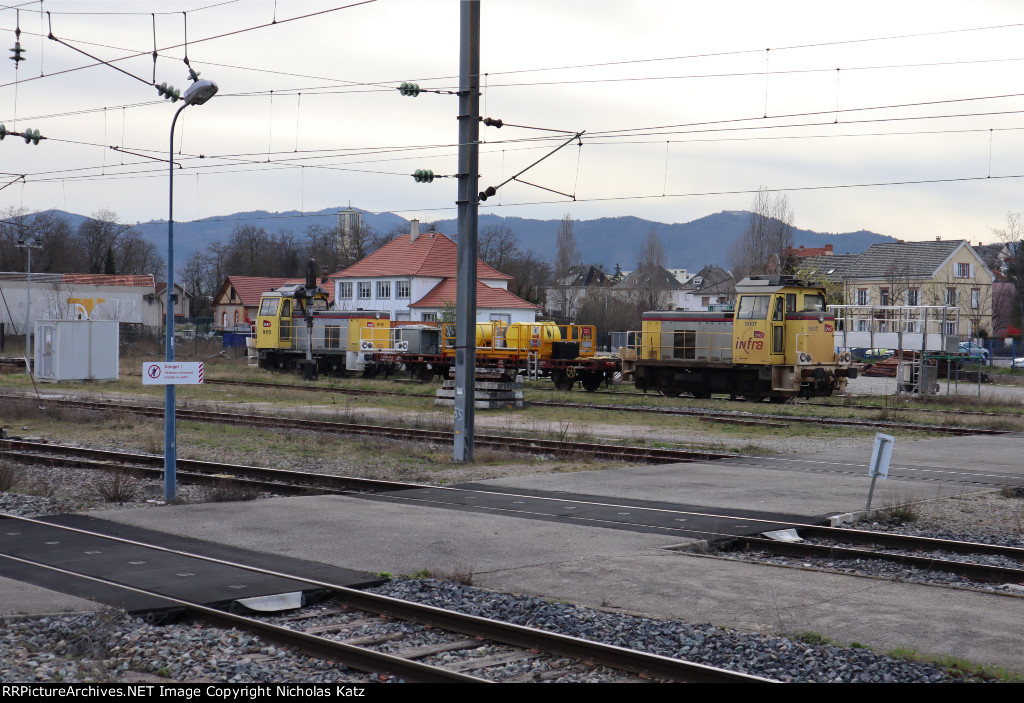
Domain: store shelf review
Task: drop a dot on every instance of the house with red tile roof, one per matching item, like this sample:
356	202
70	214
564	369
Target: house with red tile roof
803	252
413	277
235	304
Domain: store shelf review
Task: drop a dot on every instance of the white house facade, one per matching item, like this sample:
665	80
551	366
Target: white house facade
413	279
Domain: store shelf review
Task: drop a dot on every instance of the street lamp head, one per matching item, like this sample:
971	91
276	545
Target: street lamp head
199	92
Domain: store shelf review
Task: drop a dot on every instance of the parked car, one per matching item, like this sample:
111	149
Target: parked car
974	352
877	354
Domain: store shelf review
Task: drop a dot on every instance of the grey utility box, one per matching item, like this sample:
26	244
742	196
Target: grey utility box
71	350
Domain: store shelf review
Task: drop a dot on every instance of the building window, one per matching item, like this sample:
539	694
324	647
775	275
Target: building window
383	290
950	328
975	298
364	289
430	317
951	296
862	296
913	296
345	290
403	289
884	296
963	270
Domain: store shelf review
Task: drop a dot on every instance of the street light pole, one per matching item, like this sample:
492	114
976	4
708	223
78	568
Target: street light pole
28	245
197	94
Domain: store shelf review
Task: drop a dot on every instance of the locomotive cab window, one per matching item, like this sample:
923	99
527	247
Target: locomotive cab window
286	323
790	302
780	309
814	303
753	307
268	308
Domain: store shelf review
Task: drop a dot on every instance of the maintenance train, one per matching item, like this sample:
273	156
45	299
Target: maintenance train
778	343
294	324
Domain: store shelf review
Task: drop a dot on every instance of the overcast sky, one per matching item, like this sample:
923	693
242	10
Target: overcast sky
672	96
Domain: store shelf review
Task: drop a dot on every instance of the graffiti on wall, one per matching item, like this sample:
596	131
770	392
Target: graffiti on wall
66	307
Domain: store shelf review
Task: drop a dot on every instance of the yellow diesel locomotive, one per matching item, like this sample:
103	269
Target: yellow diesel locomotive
777	343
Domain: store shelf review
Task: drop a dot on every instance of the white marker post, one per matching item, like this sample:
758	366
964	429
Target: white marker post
880	458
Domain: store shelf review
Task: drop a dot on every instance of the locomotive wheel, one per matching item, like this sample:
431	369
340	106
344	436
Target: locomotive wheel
424	373
669	393
778	400
702	395
591	380
562	381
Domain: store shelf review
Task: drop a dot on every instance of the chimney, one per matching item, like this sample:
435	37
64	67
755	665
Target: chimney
828	249
414	230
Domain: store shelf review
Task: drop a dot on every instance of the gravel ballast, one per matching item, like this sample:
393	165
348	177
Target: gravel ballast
113	646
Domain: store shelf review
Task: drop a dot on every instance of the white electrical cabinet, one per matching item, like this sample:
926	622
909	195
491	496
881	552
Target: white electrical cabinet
71	350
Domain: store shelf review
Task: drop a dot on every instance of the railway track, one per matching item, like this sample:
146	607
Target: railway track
283	481
677	521
738	416
462	634
767	418
544	447
972	560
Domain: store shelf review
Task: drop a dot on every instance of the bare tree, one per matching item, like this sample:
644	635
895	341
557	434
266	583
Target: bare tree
567	261
609	312
247	251
96	236
54	233
530	275
134	255
650	275
762	248
1012	238
379	239
361	239
498	246
199	276
322	245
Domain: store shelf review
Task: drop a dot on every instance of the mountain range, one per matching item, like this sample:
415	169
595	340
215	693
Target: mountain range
604	242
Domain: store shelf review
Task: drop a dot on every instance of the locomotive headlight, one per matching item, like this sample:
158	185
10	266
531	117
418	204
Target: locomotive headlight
821	318
805	358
